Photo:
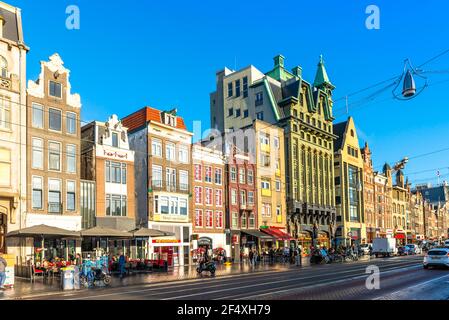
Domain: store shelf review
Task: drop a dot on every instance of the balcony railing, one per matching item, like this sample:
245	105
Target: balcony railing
160	185
54	207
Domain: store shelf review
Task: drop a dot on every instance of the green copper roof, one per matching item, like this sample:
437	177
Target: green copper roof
321	77
279	72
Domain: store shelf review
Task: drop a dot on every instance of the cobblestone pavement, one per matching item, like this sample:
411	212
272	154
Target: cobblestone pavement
400	278
24	287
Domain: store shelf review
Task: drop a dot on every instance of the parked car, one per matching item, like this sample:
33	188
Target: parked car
402	251
365	248
446	243
436	258
413	249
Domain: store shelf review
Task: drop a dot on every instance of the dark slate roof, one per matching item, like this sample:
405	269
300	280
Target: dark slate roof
436	194
339	130
291	89
10	30
277	92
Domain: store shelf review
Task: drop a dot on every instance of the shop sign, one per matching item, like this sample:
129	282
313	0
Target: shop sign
166	241
170	218
235	239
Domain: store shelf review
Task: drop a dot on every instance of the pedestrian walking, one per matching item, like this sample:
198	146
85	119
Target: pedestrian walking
121	264
251	257
298	256
3	265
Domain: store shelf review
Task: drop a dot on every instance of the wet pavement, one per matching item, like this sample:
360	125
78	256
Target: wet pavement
25	287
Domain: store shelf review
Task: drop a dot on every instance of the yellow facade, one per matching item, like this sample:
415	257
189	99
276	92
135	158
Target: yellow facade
348	163
269	155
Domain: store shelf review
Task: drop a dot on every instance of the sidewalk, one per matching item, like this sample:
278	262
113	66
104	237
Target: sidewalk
24	287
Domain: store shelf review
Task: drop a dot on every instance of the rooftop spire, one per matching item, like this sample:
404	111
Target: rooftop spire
321	78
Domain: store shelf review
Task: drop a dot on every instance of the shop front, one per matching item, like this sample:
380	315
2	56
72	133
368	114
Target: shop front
323	239
401	237
281	238
176	249
235	245
255	239
305	241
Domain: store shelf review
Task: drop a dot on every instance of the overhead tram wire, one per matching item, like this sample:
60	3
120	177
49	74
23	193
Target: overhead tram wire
390	79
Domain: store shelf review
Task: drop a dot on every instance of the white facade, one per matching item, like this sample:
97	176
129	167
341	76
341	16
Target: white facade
12	126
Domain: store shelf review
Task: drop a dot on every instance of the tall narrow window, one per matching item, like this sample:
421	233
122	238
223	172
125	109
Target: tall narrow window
245	87
5	113
115	139
37	116
237	88
3	67
54	119
54	157
230	93
37	193
5	167
156	147
54	196
183	154
71	188
157	176
183	180
170	151
71	122
198	218
37	156
71	158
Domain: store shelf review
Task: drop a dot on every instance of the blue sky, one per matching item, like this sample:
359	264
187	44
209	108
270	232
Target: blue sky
165	54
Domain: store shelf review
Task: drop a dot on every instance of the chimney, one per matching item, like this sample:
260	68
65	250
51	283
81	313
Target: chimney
297	71
279	61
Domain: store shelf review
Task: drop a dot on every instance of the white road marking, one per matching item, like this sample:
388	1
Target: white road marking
295	290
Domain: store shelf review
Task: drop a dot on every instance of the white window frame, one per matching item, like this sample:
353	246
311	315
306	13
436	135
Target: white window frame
41	189
67	158
35	148
156	145
183	154
50	95
37	106
49	128
60	155
67	122
67	195
170	149
183	174
159	169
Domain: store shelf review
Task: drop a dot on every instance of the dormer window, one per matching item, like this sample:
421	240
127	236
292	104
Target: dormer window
170	120
3	67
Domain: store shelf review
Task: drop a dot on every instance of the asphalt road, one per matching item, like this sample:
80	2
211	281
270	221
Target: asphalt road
399	278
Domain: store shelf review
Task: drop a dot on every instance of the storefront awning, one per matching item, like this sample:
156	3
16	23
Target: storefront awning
44	231
258	234
399	236
105	233
153	233
276	233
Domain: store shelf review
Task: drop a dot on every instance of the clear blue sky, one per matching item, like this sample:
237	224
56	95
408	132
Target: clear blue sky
132	53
